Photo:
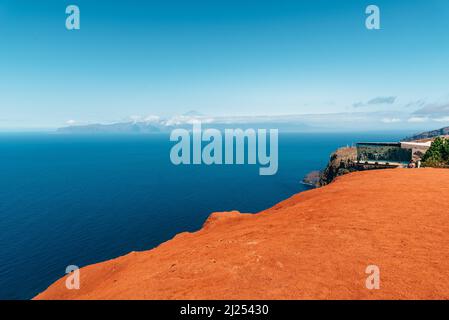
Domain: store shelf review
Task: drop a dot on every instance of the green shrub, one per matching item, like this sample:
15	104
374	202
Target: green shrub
445	151
438	153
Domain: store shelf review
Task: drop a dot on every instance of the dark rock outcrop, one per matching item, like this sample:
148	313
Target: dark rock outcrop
341	162
312	179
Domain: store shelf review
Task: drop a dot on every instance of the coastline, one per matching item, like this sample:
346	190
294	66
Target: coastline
307	184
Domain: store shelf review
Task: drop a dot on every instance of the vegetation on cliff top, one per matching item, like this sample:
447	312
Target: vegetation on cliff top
438	154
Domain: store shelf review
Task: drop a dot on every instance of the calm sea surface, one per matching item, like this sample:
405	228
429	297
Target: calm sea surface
83	199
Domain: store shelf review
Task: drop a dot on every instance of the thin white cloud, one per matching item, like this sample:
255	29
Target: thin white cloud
180	120
417	119
415	104
391	120
136	118
376	101
442	119
436	110
152	118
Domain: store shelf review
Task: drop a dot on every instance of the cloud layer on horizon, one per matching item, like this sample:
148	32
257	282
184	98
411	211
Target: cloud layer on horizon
376	101
435	110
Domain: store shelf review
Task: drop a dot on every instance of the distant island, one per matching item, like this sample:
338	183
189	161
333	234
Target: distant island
126	127
156	124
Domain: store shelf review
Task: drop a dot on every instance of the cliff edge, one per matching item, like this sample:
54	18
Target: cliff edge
315	245
341	162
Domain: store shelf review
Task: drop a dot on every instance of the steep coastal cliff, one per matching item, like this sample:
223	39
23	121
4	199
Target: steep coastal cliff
317	244
341	162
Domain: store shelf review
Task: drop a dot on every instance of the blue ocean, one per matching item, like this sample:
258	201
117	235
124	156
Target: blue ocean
77	200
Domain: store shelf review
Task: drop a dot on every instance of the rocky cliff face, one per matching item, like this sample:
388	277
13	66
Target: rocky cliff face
315	245
341	162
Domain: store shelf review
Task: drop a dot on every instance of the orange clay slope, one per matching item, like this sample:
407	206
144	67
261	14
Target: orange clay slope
315	245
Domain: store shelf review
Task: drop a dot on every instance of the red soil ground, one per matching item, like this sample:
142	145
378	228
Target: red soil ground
315	245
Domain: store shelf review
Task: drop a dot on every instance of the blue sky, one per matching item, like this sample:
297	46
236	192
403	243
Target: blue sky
222	58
